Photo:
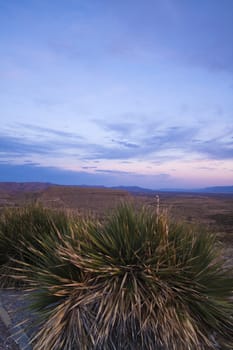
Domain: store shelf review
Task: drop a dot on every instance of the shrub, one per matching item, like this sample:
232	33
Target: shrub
22	227
134	282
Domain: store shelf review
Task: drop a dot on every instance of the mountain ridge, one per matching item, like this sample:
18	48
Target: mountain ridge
40	186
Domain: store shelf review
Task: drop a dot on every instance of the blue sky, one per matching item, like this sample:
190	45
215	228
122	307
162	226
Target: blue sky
105	92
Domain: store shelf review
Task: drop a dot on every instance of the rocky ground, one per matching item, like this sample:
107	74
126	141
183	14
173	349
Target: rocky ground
6	341
14	334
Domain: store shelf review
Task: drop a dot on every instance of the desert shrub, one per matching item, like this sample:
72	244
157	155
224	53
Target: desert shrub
136	281
22	227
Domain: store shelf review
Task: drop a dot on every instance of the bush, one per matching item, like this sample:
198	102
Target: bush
22	227
134	282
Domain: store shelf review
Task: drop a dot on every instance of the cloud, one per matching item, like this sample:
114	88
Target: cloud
147	147
134	141
159	144
126	162
88	167
121	128
15	146
100	152
57	143
126	144
178	137
38	141
216	149
29	163
32	173
114	172
49	131
205	168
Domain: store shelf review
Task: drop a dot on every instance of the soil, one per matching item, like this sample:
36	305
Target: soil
14	310
6	342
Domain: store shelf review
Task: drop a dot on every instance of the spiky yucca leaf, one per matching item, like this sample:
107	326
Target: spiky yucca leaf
134	282
22	227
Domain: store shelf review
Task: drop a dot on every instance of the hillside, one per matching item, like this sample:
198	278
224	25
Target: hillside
82	199
13	187
89	199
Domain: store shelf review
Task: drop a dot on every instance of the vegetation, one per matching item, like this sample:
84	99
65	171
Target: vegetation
135	281
26	227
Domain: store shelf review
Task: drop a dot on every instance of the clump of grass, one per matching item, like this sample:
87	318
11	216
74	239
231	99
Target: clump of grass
135	281
22	227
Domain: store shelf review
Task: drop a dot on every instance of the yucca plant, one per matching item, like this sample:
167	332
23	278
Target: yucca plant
26	225
135	281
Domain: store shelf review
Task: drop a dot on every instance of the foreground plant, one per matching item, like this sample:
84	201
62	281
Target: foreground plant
133	282
26	227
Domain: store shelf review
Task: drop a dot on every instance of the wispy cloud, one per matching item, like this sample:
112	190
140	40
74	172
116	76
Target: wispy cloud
36	140
113	172
12	145
216	149
88	167
122	129
126	144
161	143
178	137
48	131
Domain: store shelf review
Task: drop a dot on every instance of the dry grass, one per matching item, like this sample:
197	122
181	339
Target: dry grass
135	281
21	227
215	211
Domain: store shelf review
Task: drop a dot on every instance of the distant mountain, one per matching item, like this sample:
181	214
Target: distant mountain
61	196
134	189
10	187
138	190
218	189
24	186
183	190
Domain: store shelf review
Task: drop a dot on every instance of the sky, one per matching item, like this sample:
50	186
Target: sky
126	92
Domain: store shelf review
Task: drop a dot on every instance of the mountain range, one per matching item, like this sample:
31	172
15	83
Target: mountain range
40	186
